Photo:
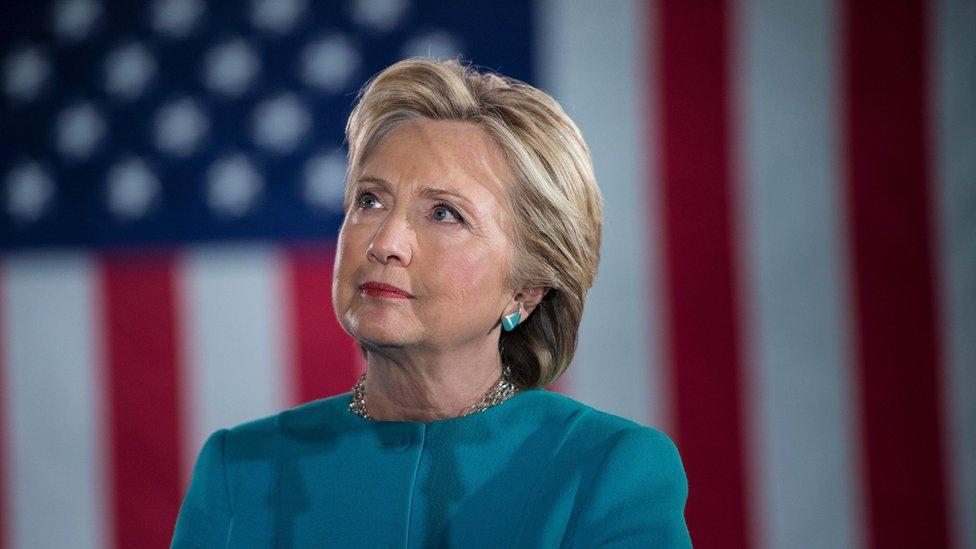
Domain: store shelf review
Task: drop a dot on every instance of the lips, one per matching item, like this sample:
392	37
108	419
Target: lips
378	289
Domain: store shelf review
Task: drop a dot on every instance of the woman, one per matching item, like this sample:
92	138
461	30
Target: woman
471	237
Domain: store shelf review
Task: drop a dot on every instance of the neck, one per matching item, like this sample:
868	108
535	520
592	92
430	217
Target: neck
427	386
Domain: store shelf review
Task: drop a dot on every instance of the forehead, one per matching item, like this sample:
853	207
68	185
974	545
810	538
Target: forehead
456	156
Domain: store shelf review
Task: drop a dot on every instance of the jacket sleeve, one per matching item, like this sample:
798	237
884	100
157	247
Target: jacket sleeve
637	495
205	516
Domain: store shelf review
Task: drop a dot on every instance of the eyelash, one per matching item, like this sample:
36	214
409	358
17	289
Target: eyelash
457	215
454	212
360	196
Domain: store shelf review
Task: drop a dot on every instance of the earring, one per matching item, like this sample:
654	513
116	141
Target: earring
509	322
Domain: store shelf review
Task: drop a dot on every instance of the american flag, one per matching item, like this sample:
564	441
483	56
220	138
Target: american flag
787	288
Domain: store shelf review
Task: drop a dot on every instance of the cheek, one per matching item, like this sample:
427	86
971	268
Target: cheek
345	264
473	277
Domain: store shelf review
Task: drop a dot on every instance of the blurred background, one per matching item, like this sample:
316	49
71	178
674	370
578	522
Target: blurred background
788	282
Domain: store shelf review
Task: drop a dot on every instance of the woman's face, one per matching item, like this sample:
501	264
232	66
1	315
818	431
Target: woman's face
427	218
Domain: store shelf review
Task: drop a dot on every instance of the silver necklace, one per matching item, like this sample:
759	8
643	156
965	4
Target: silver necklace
499	392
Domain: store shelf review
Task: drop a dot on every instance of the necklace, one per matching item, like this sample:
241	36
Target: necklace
499	392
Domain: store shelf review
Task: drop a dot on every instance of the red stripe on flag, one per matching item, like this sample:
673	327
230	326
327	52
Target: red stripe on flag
889	186
699	287
143	407
324	356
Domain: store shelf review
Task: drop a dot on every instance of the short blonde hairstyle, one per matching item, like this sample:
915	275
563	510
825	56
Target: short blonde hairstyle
557	206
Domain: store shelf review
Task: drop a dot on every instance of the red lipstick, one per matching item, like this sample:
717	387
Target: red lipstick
378	289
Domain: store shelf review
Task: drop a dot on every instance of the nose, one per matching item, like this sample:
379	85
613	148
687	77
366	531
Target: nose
393	242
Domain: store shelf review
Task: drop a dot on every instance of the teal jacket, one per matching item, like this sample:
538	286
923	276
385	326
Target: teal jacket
537	470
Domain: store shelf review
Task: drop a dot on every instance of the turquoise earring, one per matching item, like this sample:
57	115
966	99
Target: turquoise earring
509	322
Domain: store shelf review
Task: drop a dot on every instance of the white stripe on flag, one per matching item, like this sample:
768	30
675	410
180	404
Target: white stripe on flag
590	59
954	130
235	364
799	397
57	492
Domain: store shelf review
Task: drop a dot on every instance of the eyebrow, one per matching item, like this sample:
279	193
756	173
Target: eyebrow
425	192
379	181
431	192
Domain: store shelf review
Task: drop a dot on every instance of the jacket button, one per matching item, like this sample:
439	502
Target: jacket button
402	443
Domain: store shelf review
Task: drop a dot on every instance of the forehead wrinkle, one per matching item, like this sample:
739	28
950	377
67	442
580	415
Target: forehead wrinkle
478	149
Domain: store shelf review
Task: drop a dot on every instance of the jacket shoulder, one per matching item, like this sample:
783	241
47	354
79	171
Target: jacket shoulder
264	432
597	428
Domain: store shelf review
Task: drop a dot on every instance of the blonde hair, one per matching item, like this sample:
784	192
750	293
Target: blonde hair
557	207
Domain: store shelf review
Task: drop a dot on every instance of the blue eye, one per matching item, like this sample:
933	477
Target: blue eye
367	200
443	212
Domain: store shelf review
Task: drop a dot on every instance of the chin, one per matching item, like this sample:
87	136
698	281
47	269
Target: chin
382	340
382	332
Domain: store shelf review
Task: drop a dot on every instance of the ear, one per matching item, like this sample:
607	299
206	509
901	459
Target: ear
530	299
